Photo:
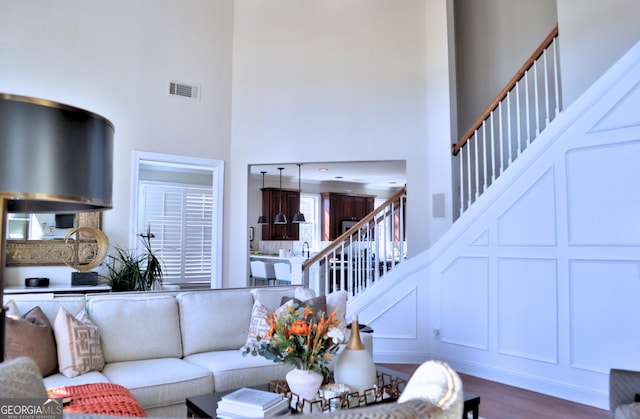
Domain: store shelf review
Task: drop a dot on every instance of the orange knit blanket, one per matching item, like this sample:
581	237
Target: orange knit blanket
99	398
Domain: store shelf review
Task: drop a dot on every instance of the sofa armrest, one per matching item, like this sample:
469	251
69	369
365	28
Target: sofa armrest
20	377
623	386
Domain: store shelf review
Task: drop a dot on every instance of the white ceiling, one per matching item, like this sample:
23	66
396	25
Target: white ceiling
374	174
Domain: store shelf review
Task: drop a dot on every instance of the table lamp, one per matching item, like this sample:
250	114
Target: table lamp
53	158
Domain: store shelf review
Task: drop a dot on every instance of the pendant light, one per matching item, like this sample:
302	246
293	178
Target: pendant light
299	216
262	219
280	218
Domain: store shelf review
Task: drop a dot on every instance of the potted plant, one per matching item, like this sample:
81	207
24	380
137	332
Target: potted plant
129	270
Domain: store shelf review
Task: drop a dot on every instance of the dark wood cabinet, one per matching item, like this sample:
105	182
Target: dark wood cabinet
271	206
339	207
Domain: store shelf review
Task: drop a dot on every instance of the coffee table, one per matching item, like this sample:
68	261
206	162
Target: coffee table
205	405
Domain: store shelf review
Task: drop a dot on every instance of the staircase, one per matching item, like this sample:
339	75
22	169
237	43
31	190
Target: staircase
535	285
522	109
376	246
361	256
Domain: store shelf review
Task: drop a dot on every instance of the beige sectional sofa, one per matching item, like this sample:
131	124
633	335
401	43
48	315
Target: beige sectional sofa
167	346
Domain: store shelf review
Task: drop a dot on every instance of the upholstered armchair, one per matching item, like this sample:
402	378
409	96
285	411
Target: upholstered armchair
624	386
20	377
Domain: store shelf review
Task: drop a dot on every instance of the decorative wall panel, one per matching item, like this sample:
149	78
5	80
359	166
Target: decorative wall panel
624	114
531	221
604	314
464	303
385	321
602	201
528	309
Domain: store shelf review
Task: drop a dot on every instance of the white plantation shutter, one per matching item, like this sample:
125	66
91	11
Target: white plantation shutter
180	217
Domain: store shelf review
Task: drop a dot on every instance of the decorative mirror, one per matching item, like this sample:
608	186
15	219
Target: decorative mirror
57	252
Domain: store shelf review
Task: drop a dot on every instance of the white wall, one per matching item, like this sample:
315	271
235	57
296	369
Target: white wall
319	81
494	38
593	35
116	59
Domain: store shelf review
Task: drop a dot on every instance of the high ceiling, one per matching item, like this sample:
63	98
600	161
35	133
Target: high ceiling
374	174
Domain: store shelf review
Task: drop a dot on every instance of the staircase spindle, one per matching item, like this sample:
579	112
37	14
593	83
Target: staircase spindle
485	173
527	107
555	77
493	150
546	89
518	115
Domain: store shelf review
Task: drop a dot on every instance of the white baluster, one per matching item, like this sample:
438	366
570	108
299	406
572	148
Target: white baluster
546	89
461	183
468	147
526	101
485	173
477	168
536	97
493	151
501	138
518	128
555	75
510	148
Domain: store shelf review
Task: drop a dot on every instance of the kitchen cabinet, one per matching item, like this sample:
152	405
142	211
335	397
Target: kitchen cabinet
340	207
271	207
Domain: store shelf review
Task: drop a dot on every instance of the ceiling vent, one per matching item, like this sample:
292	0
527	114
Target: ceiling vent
184	90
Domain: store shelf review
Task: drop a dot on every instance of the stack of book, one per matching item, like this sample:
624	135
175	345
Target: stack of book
252	403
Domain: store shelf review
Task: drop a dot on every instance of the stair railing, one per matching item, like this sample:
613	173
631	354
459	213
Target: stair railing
522	109
363	254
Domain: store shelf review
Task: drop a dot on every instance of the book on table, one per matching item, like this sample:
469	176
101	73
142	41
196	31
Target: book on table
248	402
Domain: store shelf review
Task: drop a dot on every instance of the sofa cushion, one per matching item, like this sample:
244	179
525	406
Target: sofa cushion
232	370
271	297
50	305
134	328
32	336
59	380
213	321
78	344
160	382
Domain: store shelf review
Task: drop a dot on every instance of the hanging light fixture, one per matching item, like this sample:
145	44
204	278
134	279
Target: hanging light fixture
299	216
280	218
262	219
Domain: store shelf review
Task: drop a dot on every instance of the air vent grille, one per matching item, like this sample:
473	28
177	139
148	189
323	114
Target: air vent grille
184	90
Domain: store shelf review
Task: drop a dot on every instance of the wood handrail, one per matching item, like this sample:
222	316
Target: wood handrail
455	148
359	224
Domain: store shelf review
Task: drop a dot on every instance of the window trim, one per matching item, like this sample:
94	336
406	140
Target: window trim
216	167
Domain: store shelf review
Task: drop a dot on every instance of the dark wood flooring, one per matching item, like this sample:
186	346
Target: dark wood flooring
500	401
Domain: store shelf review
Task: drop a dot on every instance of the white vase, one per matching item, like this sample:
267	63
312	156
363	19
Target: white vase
304	383
355	367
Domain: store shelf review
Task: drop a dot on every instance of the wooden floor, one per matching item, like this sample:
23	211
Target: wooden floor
499	401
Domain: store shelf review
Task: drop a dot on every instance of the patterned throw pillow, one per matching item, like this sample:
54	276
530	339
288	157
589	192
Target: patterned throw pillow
78	343
259	325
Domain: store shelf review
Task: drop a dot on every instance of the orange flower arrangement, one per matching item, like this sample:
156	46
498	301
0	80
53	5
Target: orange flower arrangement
301	338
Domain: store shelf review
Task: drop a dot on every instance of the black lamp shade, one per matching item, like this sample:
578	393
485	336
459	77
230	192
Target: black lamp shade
280	219
55	158
263	220
299	218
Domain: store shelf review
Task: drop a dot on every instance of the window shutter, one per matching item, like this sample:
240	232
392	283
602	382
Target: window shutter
180	218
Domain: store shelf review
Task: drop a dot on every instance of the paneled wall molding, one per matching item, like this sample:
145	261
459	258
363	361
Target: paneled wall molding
536	284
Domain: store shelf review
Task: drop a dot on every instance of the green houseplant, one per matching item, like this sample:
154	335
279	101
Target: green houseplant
130	270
